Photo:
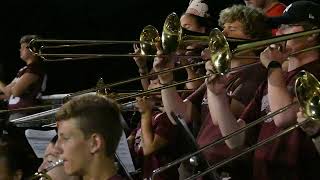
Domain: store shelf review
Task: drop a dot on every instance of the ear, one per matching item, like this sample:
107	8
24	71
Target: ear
96	143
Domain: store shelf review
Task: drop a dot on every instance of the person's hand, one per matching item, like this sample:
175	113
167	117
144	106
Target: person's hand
310	127
161	63
273	53
140	60
206	54
144	104
215	83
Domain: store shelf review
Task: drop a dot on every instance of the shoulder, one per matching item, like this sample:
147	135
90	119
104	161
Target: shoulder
35	68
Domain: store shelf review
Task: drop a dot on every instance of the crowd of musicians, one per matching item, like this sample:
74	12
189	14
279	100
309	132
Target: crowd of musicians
172	125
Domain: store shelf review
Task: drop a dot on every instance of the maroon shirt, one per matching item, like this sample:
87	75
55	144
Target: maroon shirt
161	126
116	177
32	93
292	156
240	89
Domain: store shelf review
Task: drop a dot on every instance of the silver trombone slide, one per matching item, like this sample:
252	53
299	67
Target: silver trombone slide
34	116
220	140
249	149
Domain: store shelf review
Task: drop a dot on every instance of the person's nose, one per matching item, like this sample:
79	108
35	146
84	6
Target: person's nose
58	147
225	32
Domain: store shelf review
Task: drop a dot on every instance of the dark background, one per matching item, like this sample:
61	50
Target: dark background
84	19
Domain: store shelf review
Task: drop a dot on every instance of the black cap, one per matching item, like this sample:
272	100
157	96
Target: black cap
299	11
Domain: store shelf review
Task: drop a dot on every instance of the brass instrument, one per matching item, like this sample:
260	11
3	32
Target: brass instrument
173	35
221	54
149	37
307	89
43	174
26	108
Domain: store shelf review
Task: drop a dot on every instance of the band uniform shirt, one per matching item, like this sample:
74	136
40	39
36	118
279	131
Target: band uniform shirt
291	156
31	95
241	89
116	177
162	127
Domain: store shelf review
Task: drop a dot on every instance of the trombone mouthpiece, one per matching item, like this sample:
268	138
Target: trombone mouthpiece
53	165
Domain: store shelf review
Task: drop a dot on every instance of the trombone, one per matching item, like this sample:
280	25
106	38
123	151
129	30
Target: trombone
149	37
221	56
173	35
307	90
128	106
43	174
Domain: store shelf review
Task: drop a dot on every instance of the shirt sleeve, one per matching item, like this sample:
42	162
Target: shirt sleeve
245	90
163	127
35	68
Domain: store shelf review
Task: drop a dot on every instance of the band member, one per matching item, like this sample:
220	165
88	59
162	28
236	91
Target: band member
291	156
154	140
237	22
269	7
51	155
89	130
26	87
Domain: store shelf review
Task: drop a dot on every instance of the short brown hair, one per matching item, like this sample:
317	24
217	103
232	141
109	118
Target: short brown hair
252	19
28	38
95	114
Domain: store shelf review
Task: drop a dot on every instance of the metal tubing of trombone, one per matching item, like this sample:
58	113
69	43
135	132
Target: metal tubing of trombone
68	57
277	39
52	111
160	88
128	106
86	42
240	68
249	149
305	50
34	116
220	140
44	172
26	108
137	78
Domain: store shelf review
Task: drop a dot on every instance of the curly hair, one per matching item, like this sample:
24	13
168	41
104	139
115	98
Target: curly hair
252	19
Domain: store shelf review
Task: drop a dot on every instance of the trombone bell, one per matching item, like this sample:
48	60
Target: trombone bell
149	34
220	51
308	94
170	33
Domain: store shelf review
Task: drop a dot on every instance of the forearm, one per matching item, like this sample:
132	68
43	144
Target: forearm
145	81
192	75
279	97
5	89
220	111
147	133
174	103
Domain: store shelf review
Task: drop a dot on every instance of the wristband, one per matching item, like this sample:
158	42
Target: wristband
274	64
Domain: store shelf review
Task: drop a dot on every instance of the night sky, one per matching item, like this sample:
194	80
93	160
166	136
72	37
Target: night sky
84	19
